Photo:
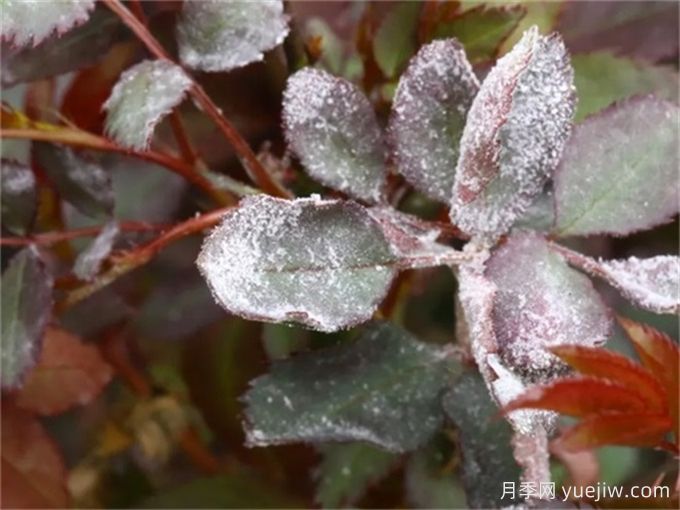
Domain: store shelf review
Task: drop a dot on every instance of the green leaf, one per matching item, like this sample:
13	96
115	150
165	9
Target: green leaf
540	215
282	340
618	174
384	388
347	470
214	35
82	182
18	196
488	460
26	307
482	30
395	39
323	263
602	78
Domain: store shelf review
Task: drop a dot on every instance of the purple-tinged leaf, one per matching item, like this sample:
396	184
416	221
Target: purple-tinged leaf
514	135
143	95
541	302
332	128
18	196
428	116
619	173
27	22
89	261
26	307
216	35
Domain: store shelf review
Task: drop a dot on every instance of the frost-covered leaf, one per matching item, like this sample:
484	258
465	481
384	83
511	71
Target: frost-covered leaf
540	215
428	116
18	196
214	35
485	443
68	373
515	132
83	182
324	263
545	303
332	128
383	388
26	307
395	39
27	22
619	172
347	470
143	95
89	261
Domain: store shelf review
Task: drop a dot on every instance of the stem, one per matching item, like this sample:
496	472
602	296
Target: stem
249	160
186	149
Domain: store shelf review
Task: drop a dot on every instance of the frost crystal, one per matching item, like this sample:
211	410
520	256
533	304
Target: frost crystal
332	128
428	115
30	21
89	261
515	132
143	95
219	35
324	263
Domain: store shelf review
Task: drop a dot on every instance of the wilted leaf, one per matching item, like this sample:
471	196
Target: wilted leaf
80	47
485	441
514	135
143	95
332	128
68	373
619	170
347	470
323	263
83	182
26	308
428	115
395	39
214	35
602	78
18	196
89	261
545	303
26	22
383	388
33	473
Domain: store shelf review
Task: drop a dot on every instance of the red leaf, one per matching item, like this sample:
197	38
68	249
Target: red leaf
33	473
605	364
629	429
582	396
68	373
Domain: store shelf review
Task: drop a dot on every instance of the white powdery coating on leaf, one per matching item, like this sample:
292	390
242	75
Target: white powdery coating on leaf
428	116
517	127
323	263
90	260
219	35
332	128
31	21
17	178
143	95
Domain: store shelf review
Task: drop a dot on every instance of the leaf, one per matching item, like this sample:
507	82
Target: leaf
83	182
347	470
515	132
143	95
89	261
26	307
214	35
33	473
322	263
428	115
332	128
545	303
602	78
19	201
383	388
25	22
485	441
68	373
81	47
540	215
482	29
619	170
395	39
